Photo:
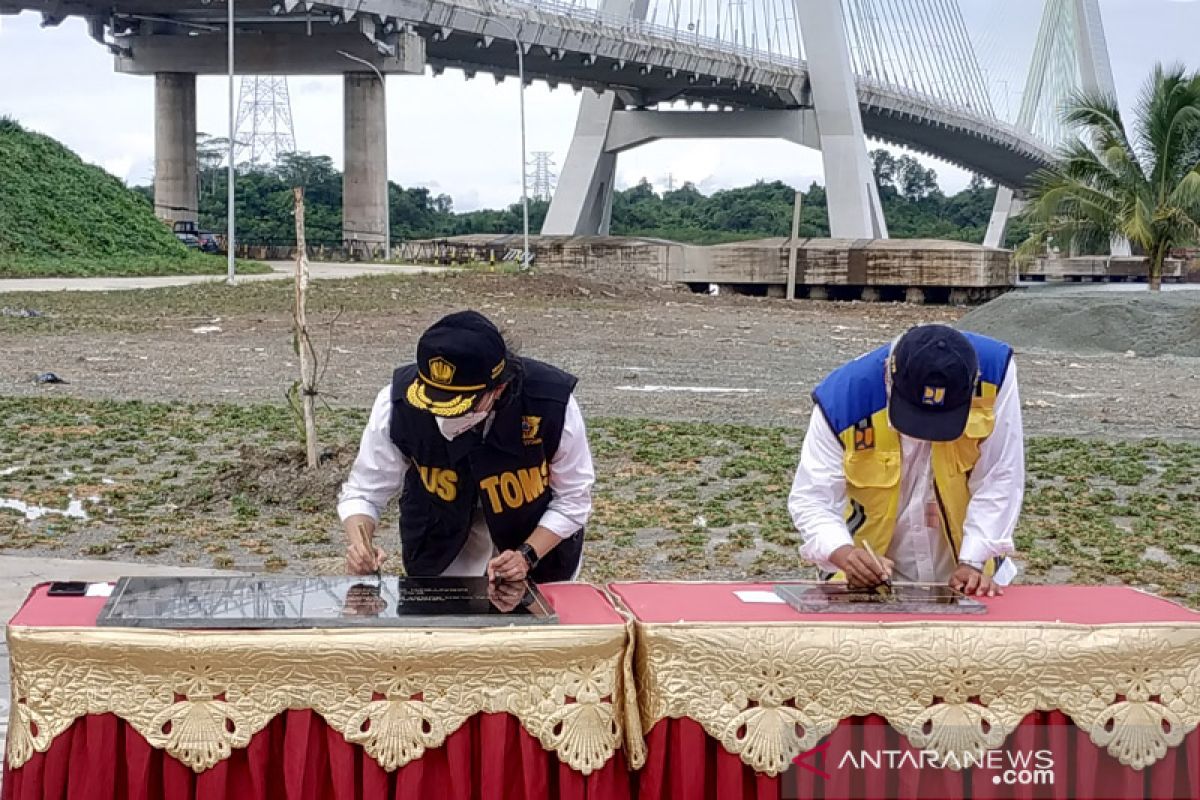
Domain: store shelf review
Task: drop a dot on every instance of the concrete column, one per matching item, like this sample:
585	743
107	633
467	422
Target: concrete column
1005	207
854	209
175	173
364	180
582	202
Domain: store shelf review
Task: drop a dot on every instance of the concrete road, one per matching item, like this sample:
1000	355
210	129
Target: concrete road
282	271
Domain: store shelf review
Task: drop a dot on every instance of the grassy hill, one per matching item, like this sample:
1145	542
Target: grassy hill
62	217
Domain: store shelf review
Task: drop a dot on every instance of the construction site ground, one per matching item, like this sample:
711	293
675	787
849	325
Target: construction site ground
172	437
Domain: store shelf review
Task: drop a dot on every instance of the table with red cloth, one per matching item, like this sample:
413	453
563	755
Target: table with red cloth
511	712
1057	692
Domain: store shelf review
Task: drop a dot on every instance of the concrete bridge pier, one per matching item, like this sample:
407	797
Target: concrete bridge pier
855	211
364	180
176	176
582	203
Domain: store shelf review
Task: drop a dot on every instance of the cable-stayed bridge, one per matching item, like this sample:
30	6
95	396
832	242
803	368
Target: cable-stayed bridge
825	74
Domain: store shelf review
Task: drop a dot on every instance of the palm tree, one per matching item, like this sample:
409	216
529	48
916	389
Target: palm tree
1107	185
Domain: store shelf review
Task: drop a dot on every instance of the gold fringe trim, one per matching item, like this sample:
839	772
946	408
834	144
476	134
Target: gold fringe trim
198	695
768	692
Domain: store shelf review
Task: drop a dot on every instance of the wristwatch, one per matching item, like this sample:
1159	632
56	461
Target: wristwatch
976	565
531	556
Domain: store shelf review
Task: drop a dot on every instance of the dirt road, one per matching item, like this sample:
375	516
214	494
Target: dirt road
661	354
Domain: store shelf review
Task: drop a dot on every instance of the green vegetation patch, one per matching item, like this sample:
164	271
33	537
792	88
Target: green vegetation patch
62	217
225	486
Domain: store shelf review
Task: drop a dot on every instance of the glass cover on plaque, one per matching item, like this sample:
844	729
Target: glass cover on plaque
322	602
900	598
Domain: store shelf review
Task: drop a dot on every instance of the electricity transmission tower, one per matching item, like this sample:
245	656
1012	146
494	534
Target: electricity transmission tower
543	177
264	120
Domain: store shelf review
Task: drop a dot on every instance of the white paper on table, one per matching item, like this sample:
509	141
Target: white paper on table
758	596
1008	570
99	590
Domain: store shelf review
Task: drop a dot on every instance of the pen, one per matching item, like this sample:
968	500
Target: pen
886	581
366	539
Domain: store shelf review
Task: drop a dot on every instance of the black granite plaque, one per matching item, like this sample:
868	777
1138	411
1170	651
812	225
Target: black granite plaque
333	602
901	598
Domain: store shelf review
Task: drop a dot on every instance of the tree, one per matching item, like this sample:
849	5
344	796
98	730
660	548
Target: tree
915	181
883	164
1106	184
210	152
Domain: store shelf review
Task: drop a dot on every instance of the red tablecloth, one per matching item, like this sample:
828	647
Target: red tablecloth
298	757
685	762
1081	605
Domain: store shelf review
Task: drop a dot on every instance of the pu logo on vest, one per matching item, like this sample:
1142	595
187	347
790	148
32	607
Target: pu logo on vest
511	490
440	481
530	427
864	435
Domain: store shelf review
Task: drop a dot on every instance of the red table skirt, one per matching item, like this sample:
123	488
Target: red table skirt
685	763
298	757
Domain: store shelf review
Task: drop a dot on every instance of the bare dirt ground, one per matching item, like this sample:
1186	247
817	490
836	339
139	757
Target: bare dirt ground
639	352
695	404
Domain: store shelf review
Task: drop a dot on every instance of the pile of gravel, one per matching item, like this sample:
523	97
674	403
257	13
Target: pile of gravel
1093	322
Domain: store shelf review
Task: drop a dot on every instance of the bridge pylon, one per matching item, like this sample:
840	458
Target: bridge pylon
831	122
1071	54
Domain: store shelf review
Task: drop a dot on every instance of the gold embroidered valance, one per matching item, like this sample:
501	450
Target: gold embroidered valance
770	691
200	694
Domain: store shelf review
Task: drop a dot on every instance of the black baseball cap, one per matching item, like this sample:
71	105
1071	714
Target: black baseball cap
459	358
934	371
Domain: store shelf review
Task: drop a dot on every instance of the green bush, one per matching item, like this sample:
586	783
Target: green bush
60	216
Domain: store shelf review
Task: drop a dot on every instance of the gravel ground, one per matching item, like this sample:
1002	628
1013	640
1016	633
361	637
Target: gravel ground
653	353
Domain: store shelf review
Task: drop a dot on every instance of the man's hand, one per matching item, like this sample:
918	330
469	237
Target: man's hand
969	580
862	571
362	555
505	596
508	566
364	558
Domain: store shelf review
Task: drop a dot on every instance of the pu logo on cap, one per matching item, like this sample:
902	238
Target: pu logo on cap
441	370
934	396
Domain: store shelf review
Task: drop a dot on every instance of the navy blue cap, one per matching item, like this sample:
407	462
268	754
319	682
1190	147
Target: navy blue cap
459	358
934	372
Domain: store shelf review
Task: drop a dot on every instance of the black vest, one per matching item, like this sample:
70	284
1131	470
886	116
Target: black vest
508	471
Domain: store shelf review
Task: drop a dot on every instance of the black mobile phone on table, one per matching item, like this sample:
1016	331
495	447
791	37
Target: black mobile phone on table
68	589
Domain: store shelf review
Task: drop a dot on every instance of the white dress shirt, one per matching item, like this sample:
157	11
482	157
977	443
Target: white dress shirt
919	547
378	475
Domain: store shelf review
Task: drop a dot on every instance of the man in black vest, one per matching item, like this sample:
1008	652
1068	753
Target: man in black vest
489	455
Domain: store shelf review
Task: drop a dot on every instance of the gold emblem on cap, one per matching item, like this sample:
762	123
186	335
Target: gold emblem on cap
441	370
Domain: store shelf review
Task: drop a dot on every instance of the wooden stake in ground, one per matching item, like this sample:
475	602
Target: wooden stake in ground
308	359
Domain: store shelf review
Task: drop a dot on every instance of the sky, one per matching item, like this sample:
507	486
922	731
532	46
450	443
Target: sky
461	137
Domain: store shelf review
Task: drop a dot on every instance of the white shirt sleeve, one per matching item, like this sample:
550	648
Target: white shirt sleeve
571	477
818	498
998	480
378	472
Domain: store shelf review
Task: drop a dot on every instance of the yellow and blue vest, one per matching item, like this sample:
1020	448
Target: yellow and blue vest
853	399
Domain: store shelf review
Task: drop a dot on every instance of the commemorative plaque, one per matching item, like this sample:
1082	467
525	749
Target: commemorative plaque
901	598
332	602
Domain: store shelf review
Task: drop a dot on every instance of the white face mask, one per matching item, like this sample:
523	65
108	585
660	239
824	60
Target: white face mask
454	427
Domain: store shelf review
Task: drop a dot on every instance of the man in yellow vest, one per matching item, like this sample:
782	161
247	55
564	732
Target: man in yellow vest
913	467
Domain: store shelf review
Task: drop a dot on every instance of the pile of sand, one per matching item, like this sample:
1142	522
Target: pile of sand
1090	322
